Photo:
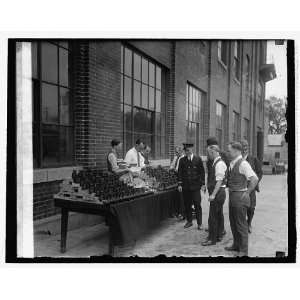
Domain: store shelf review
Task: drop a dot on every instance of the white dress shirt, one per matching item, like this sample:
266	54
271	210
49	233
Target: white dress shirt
244	168
220	169
132	157
175	163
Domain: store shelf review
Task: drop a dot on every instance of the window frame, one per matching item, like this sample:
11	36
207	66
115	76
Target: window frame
160	89
38	124
199	112
222	47
237	60
235	126
223	121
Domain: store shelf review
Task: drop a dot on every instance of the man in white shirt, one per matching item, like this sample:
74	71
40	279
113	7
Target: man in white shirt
134	157
241	181
178	155
216	184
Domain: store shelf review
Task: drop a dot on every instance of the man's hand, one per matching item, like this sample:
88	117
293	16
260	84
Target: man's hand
179	188
203	188
211	198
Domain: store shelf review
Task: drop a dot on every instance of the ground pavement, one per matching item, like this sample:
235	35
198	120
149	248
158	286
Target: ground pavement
270	232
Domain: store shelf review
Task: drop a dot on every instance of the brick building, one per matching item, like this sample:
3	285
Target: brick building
87	92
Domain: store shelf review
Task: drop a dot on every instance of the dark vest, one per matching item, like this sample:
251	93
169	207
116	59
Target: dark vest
236	180
211	176
109	167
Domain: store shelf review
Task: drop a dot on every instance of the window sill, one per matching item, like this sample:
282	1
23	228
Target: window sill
222	64
53	174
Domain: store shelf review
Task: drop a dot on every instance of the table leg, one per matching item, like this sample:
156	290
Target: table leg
64	229
111	246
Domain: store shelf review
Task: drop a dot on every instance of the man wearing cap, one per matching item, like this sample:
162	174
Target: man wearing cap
241	181
191	178
211	178
256	166
216	190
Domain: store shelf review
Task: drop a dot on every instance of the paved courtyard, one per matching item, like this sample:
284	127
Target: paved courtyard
270	232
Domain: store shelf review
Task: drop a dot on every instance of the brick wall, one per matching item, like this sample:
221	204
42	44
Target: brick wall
43	204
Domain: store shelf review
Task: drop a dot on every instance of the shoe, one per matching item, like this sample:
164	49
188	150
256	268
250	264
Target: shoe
206	229
200	227
241	254
249	228
208	243
219	239
231	248
188	224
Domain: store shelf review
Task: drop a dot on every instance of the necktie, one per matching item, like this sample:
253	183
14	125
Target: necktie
138	158
176	162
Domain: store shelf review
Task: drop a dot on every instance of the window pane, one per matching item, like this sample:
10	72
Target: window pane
49	62
63	67
140	120
128	62
190	112
149	122
65	107
187	110
137	66
34	60
151	98
151	74
128	141
158	77
157	124
136	93
127	90
158	101
157	147
163	146
127	117
163	124
49	103
145	70
66	144
50	141
144	96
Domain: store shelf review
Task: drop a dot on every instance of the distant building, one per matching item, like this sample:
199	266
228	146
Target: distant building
276	148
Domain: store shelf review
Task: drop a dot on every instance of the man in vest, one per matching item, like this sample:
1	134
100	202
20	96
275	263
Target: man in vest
241	181
174	166
210	177
112	158
191	178
216	189
257	168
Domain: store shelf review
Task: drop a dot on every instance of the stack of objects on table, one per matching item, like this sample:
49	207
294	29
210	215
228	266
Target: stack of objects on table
96	185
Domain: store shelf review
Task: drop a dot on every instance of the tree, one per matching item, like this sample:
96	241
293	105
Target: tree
277	119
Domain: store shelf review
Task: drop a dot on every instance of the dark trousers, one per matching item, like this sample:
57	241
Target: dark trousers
238	205
251	209
190	198
216	217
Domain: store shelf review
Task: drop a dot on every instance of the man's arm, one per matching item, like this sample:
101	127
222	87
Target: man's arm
172	165
253	180
215	191
202	171
180	173
258	168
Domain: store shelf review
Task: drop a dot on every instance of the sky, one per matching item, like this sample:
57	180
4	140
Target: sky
277	54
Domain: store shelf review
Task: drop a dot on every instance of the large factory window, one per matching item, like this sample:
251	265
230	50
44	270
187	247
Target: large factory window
52	104
143	101
220	123
194	99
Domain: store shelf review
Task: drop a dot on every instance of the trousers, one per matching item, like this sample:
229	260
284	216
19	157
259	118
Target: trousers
239	202
192	198
216	217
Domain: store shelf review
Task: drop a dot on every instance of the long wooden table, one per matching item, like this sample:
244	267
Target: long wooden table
126	220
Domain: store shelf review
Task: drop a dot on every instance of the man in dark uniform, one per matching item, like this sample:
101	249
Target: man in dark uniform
191	179
241	181
210	178
216	189
257	168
